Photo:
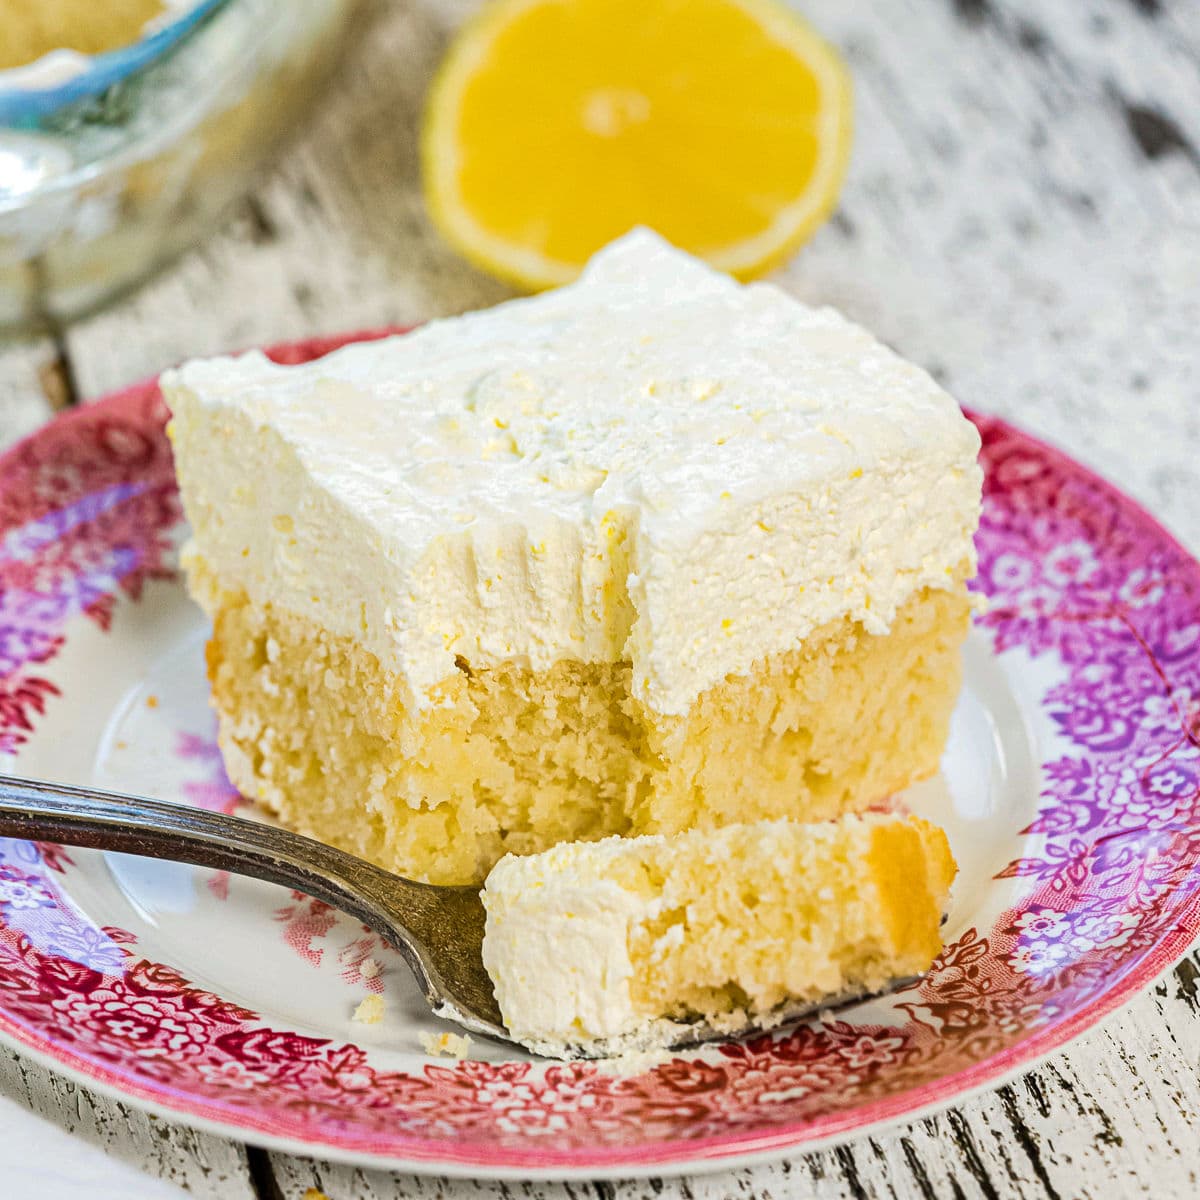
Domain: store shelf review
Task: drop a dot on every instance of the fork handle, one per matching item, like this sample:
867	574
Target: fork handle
81	816
411	916
100	820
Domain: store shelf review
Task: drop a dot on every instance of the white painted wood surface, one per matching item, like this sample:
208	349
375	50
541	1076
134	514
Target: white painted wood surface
62	1142
1023	217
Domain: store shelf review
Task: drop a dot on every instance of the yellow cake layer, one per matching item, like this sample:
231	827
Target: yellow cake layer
599	941
788	912
508	760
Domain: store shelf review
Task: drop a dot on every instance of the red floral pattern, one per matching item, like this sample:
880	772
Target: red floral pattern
1108	888
307	922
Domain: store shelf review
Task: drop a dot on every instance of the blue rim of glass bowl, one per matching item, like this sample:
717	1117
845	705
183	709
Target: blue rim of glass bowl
25	108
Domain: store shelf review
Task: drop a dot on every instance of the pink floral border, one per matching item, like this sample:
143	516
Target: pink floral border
1071	568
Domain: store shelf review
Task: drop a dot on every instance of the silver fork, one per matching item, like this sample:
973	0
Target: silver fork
438	930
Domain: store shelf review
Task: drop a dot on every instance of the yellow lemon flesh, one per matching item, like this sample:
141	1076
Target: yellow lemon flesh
555	126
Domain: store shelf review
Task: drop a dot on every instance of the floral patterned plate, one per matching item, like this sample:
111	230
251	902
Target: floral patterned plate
1070	791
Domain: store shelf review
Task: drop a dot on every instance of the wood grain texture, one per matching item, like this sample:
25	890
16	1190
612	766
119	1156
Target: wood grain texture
25	370
48	1161
1022	217
118	1150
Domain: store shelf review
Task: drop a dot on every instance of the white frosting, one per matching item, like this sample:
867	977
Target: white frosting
655	464
557	947
559	927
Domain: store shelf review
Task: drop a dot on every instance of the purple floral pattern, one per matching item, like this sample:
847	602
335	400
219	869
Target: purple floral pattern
213	791
1106	893
32	900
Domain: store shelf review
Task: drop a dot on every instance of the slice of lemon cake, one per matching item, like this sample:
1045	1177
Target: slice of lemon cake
577	566
604	947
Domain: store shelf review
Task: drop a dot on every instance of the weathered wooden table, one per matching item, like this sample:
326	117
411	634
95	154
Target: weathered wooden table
1022	217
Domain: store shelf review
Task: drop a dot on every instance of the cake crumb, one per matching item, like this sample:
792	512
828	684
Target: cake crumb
151	701
369	969
452	1045
369	1011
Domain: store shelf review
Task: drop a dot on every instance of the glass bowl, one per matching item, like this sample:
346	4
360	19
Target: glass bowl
97	192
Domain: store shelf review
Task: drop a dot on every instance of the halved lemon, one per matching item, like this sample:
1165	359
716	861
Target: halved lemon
554	126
